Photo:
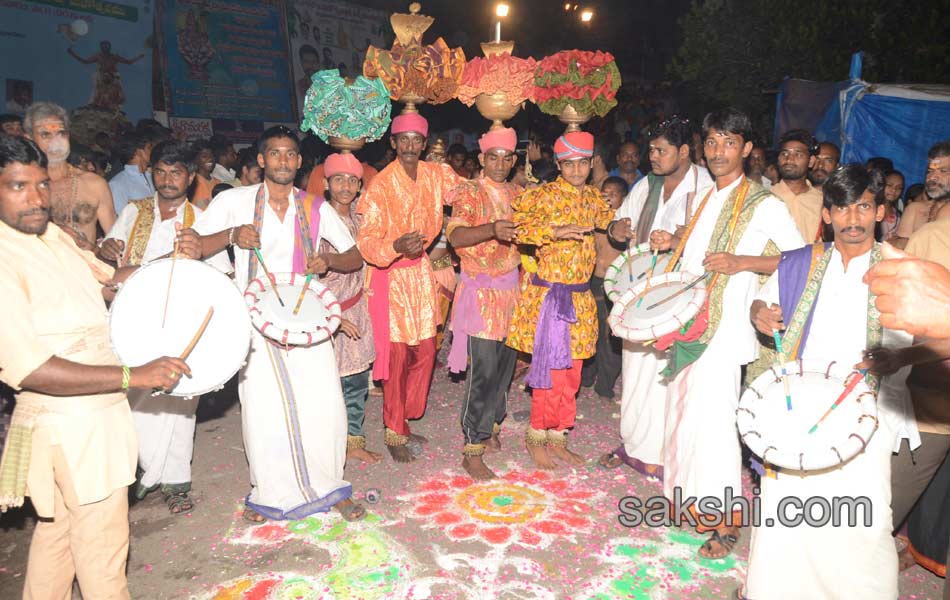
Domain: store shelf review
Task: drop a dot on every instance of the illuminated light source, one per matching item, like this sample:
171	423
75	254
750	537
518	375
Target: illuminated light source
567	6
586	15
501	9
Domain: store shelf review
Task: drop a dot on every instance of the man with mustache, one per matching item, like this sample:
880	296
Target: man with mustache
71	446
146	230
937	184
628	161
730	239
482	232
292	408
658	201
825	164
402	215
818	299
79	199
202	190
796	154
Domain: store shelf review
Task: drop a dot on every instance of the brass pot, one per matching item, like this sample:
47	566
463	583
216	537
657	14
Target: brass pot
495	108
345	144
573	119
411	102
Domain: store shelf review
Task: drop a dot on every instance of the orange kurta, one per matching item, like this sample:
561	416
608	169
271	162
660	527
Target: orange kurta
394	205
537	213
204	190
475	203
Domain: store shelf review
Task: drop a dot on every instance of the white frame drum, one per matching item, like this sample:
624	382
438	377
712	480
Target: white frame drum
618	275
304	331
674	315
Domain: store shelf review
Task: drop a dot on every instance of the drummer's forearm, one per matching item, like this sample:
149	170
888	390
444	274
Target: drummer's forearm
928	351
764	265
214	243
61	377
347	262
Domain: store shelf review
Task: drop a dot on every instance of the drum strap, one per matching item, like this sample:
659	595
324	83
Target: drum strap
305	204
648	212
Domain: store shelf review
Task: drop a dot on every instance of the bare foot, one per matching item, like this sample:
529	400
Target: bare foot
610	461
252	516
349	510
539	454
492	444
562	454
415	437
401	454
720	543
905	560
476	467
363	455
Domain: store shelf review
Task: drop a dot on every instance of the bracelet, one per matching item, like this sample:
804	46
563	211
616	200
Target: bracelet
231	237
126	376
609	234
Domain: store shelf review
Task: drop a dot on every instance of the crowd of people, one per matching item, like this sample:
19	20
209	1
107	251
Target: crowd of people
508	253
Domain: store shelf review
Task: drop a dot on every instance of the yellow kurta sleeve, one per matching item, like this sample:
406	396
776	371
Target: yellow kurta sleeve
603	214
533	217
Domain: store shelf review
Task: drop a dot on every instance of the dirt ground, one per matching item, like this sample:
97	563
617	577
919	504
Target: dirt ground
430	533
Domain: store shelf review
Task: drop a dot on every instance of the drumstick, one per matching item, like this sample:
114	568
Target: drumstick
649	275
691	285
781	360
303	292
855	378
194	341
629	264
171	273
273	282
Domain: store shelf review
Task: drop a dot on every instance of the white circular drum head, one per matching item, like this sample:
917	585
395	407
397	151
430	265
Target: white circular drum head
316	320
781	436
639	321
138	336
630	269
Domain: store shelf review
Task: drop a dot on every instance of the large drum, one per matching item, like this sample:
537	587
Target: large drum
139	336
317	316
640	321
781	437
630	269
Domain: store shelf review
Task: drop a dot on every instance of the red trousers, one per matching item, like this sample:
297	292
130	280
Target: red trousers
406	390
556	408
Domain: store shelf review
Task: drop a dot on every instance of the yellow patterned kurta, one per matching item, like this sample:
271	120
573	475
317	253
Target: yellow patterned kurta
476	203
537	213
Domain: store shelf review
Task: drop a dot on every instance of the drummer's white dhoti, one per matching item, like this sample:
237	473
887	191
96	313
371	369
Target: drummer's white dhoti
643	403
294	421
166	430
790	563
701	450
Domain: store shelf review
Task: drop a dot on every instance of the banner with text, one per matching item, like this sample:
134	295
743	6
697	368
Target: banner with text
226	59
77	53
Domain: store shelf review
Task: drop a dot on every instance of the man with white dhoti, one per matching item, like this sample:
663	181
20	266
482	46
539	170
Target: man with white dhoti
293	413
728	239
145	231
819	299
658	201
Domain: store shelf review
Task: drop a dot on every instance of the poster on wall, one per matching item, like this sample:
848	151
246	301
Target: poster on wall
226	59
326	34
91	57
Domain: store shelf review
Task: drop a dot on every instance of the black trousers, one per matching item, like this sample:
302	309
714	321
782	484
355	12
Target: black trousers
602	369
491	367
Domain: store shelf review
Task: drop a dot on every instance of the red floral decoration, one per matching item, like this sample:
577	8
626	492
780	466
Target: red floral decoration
498	73
588	81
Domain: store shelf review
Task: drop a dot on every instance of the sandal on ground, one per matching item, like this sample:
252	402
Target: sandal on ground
252	516
726	541
178	502
351	512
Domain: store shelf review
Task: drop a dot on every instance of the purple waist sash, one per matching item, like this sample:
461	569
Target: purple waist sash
552	336
467	317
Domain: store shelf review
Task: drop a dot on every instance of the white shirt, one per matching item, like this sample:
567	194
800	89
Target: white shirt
670	212
225	175
771	221
235	207
838	332
161	241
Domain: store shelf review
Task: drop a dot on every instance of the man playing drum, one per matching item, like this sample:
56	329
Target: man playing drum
71	445
556	319
146	230
482	231
658	201
728	239
818	298
293	414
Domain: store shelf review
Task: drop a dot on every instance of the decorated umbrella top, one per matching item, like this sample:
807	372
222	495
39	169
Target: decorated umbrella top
504	73
334	108
432	72
585	81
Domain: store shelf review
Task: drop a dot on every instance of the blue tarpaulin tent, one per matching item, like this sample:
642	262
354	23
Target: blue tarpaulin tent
897	121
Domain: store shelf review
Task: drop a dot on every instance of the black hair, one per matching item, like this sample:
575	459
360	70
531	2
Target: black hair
10	118
20	150
456	149
618	181
277	131
221	187
633	142
78	153
674	130
802	137
833	145
879	163
914	191
129	144
895	172
939	150
247	157
220	145
728	120
198	146
848	182
171	152
544	171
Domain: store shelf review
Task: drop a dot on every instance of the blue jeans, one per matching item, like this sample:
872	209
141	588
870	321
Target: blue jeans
355	389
